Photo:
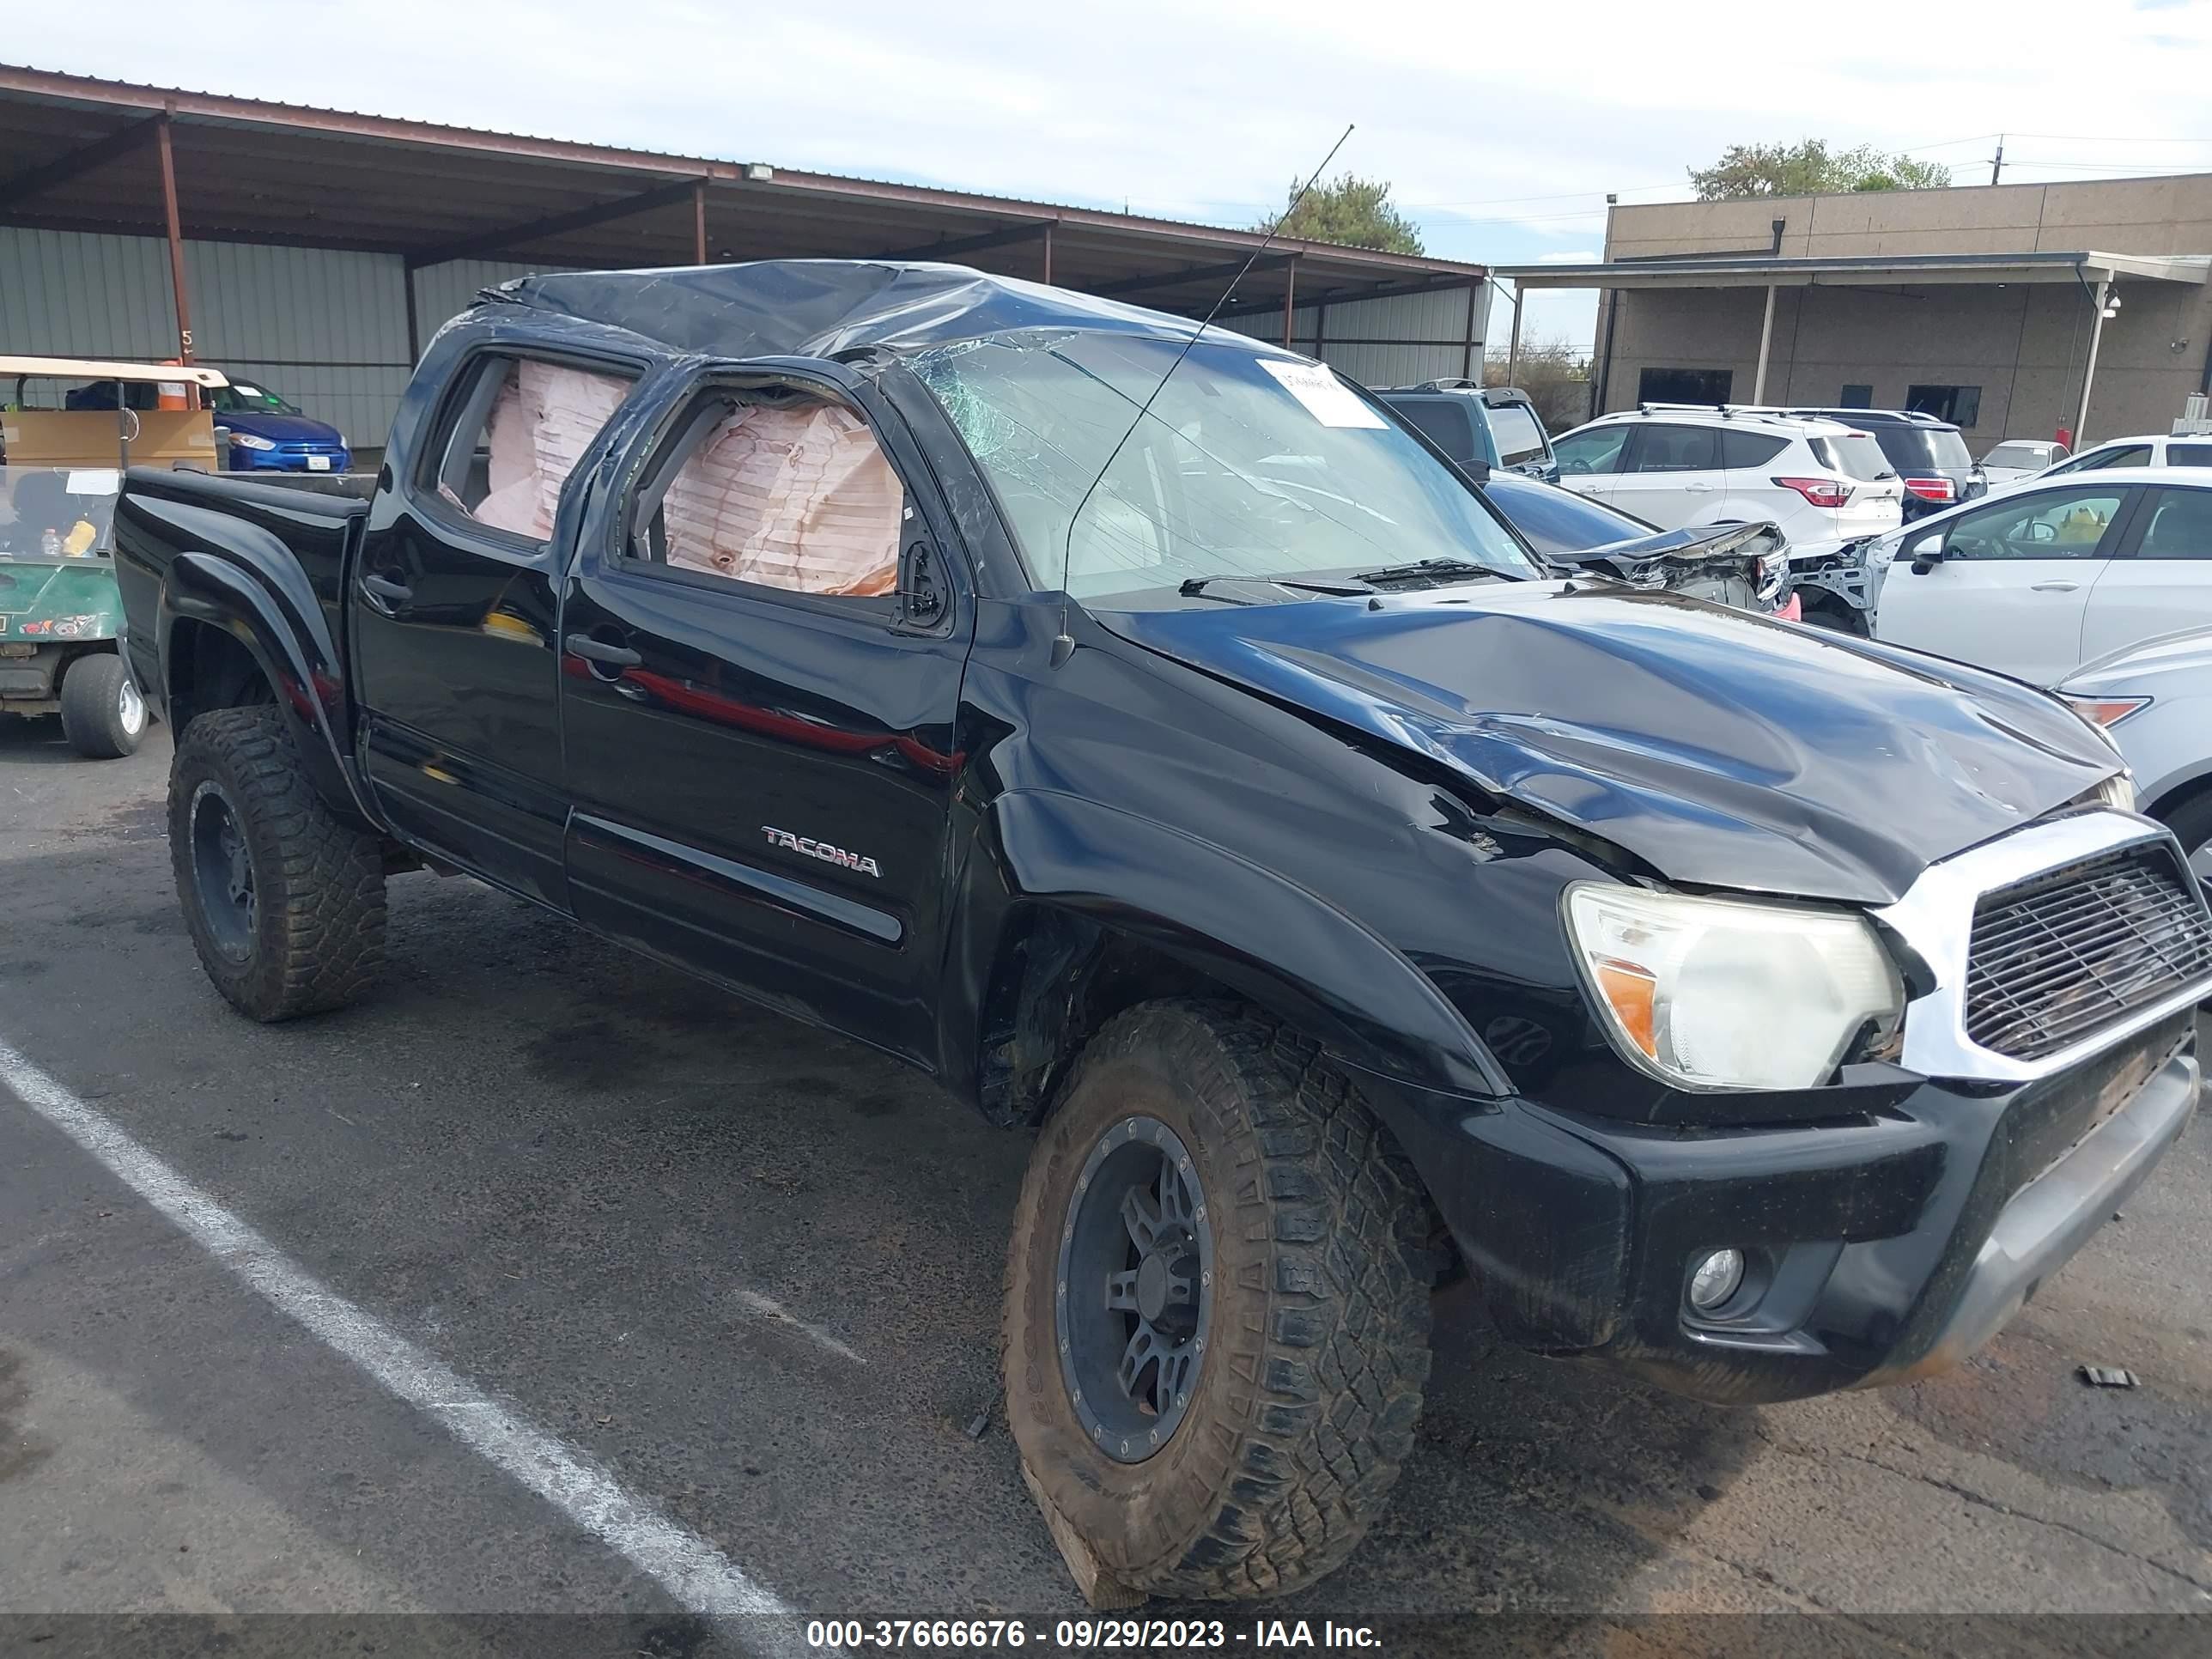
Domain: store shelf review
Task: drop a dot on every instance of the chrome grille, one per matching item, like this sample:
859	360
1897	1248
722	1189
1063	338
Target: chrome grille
2055	959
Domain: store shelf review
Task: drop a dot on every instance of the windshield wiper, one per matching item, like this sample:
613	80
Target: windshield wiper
1193	587
1440	570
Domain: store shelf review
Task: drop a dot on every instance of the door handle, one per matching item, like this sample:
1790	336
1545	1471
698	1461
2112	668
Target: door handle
385	588
615	656
2054	588
1697	487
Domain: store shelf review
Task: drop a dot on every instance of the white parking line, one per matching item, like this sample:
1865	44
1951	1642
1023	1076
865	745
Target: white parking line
768	1307
694	1572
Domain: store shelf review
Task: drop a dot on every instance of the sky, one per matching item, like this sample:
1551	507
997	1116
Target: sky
1501	128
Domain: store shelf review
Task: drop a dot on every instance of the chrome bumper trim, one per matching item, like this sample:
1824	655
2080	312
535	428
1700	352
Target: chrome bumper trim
1935	919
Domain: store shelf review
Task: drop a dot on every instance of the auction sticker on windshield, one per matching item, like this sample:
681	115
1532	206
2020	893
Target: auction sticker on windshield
1326	398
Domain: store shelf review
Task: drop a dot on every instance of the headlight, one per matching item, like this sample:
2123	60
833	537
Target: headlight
2118	791
248	440
1731	994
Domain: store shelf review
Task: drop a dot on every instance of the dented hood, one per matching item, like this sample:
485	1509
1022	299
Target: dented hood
1722	749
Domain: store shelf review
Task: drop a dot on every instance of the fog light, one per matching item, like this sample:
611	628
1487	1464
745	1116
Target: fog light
1717	1278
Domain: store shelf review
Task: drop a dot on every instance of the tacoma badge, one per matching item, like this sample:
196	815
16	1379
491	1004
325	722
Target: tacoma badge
819	850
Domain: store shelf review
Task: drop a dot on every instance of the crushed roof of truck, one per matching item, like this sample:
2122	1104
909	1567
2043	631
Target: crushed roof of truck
825	307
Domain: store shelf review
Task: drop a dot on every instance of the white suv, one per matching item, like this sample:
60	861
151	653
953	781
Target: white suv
1681	465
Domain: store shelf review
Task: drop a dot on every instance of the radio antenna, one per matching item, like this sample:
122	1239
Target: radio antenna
1063	643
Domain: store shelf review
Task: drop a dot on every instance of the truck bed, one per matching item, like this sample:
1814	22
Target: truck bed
345	494
318	518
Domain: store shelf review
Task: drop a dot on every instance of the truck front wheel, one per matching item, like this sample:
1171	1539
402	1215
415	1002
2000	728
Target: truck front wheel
285	904
103	716
1216	1314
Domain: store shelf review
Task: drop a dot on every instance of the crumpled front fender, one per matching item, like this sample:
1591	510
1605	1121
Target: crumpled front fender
1288	950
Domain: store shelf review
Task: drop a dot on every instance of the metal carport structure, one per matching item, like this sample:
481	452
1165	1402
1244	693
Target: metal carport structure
81	155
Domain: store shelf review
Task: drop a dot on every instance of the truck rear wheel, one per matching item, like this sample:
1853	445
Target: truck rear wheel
285	904
103	716
1217	1311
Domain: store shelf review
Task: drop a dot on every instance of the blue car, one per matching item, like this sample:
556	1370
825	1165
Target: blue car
268	434
259	430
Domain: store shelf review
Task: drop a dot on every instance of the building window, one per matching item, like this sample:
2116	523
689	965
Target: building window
1856	397
1684	385
1962	405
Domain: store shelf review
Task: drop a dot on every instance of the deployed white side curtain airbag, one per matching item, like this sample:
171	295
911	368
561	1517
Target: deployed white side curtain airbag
798	497
541	422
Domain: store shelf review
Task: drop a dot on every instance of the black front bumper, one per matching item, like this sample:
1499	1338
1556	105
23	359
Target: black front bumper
1881	1247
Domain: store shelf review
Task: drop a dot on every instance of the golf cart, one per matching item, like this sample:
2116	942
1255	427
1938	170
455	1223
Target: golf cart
60	469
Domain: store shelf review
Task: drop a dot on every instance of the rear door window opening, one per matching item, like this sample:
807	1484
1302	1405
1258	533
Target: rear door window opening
515	433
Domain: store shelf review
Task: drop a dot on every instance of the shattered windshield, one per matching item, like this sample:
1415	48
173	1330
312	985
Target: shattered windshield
1248	464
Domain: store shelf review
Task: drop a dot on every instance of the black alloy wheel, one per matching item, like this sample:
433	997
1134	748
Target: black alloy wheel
222	871
1136	1289
1216	1331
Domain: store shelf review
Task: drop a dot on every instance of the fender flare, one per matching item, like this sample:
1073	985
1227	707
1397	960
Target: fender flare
1285	947
246	592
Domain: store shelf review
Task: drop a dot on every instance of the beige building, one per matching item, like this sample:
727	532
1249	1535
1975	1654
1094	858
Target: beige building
2015	310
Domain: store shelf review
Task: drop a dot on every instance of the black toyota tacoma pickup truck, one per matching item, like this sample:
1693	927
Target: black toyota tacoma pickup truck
1221	794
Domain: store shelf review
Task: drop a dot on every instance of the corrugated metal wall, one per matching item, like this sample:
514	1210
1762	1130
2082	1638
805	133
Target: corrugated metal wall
1399	340
327	330
63	294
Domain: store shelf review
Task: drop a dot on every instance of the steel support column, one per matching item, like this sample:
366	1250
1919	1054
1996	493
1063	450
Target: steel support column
1289	297
1765	345
2089	368
699	221
175	221
1513	341
1047	239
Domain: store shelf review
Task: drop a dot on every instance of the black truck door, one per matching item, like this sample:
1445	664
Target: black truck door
762	647
454	638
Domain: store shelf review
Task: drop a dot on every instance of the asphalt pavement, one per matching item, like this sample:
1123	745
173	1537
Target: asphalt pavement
747	1275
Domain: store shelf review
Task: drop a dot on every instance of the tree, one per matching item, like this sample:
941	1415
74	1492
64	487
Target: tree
1556	377
1350	212
1808	169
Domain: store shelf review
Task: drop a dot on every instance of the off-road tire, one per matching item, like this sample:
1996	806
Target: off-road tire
1310	1391
317	940
92	707
2190	821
